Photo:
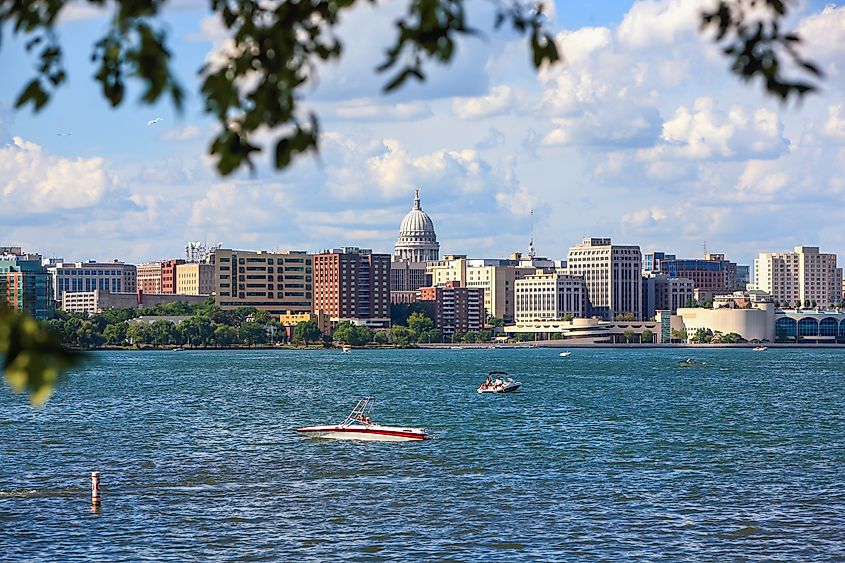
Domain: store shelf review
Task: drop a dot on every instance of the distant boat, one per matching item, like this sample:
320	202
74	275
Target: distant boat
456	348
178	349
760	348
499	383
347	348
565	354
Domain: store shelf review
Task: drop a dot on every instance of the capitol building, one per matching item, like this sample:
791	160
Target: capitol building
417	241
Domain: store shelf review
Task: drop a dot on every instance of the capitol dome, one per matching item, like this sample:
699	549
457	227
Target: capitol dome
417	240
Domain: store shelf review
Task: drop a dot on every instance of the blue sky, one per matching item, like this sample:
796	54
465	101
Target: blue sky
642	135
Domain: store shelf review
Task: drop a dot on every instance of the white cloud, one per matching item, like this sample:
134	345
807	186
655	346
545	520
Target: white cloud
377	110
34	182
652	23
834	127
185	133
501	99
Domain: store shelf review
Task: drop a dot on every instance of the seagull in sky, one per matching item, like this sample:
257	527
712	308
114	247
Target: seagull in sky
153	121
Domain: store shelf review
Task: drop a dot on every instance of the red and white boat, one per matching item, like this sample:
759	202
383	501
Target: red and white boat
359	426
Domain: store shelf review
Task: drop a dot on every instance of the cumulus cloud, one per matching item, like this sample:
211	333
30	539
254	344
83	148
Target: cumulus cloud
372	110
34	182
501	99
658	22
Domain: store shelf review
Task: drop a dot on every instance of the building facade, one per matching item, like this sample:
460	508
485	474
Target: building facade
75	277
454	308
660	292
417	241
97	301
25	285
805	276
612	276
195	278
548	296
276	282
149	277
406	277
168	275
353	284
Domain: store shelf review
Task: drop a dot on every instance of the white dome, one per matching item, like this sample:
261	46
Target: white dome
417	240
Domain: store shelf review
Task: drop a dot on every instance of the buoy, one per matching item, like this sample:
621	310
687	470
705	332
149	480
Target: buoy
95	487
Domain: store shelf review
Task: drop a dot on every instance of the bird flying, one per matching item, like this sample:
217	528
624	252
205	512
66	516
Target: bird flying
153	121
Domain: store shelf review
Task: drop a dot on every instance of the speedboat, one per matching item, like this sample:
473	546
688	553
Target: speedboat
499	383
691	363
760	348
359	426
347	348
456	348
565	354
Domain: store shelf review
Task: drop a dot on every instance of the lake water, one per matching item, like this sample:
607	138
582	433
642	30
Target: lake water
607	454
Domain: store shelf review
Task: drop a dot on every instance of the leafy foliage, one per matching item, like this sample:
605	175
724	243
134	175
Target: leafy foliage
33	357
757	45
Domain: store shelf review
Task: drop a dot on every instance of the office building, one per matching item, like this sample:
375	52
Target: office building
74	277
276	282
99	300
149	277
195	278
25	285
548	296
662	293
612	276
353	284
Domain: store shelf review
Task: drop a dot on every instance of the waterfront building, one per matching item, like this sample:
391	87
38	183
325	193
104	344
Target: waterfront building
548	296
276	282
25	285
149	277
99	300
290	320
822	327
454	308
756	323
661	292
353	284
195	278
74	277
805	276
417	241
406	278
588	330
612	276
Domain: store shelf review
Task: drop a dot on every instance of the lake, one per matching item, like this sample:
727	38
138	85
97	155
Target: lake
607	454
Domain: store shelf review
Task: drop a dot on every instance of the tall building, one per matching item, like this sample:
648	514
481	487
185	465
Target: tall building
353	284
612	275
73	277
276	282
454	308
195	278
743	277
651	261
417	241
495	276
662	293
804	275
548	296
25	285
406	278
149	277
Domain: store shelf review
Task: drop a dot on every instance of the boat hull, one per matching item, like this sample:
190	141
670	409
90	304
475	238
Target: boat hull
507	389
369	433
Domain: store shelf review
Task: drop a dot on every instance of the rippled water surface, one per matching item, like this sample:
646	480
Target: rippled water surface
608	454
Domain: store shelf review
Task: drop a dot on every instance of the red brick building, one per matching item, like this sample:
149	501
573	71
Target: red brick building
168	275
353	284
454	308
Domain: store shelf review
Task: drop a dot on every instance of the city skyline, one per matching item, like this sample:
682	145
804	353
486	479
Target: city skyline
643	136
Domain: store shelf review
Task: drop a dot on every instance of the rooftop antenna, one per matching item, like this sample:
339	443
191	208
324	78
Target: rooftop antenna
531	252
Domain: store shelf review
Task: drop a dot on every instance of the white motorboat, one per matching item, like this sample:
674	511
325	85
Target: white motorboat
499	382
347	348
565	354
760	348
456	348
359	426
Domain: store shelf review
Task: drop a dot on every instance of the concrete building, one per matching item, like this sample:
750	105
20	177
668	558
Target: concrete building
454	308
588	331
406	278
660	292
417	241
353	284
757	323
195	278
75	277
612	275
99	300
804	276
810	326
276	282
149	278
548	296
25	285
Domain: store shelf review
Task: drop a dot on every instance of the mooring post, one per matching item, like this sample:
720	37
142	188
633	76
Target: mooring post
95	487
